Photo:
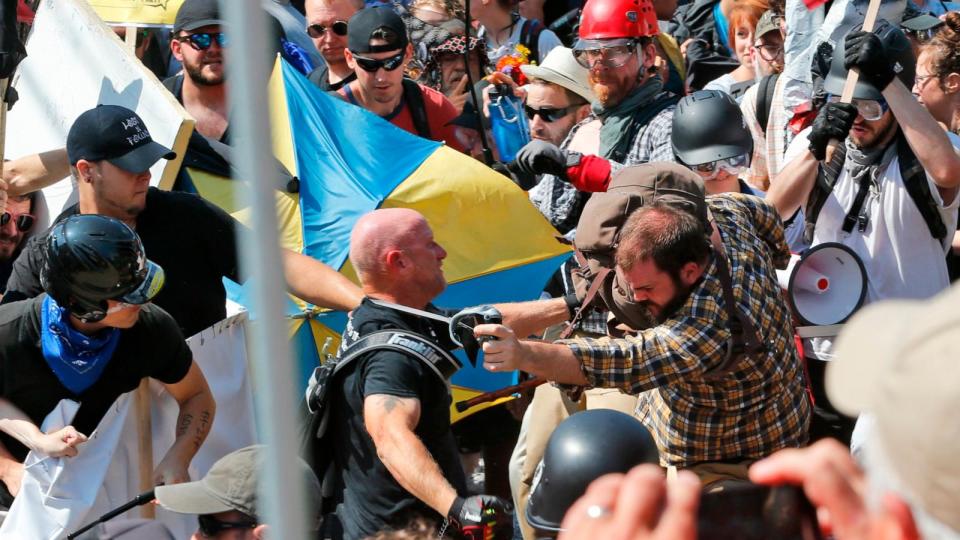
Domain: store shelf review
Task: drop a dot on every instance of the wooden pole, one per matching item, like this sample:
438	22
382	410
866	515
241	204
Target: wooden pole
853	76
142	401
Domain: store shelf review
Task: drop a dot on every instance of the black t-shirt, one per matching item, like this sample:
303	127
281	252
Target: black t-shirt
320	78
153	347
370	498
193	240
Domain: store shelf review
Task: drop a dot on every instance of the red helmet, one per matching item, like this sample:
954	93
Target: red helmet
611	19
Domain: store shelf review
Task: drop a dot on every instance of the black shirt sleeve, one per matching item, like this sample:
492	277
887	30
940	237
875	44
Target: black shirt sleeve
392	373
171	355
24	280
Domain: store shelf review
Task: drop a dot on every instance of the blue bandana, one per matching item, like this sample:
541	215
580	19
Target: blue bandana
76	359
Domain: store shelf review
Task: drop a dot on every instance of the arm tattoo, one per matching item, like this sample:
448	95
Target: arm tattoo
184	424
202	428
389	403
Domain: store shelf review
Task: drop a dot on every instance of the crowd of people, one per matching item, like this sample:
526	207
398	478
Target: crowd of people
683	151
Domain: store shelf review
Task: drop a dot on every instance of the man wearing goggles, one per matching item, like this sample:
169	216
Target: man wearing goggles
378	51
15	222
327	27
632	110
199	43
91	338
890	190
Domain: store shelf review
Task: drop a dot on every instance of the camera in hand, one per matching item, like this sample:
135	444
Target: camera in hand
755	512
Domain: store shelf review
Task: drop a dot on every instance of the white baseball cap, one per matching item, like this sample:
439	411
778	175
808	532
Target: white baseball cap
560	68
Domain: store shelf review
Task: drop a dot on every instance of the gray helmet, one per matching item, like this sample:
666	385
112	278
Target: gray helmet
899	50
583	448
708	126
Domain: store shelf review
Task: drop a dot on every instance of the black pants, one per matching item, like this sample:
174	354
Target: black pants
826	420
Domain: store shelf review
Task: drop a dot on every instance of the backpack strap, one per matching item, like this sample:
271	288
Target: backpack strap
413	95
827	174
744	339
592	292
530	38
915	181
765	89
441	363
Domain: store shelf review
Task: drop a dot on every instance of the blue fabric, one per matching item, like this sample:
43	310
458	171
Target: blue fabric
723	30
76	359
296	56
343	176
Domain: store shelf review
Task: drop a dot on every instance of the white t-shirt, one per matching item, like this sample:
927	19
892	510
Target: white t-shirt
495	51
900	256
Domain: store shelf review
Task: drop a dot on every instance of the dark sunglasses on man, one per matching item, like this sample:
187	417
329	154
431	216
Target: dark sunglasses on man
372	65
210	526
317	31
550	114
24	222
202	41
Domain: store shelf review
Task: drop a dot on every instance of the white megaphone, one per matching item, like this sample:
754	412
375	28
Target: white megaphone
825	285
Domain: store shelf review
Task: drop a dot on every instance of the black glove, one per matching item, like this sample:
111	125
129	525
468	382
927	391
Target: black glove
541	157
833	122
865	51
476	515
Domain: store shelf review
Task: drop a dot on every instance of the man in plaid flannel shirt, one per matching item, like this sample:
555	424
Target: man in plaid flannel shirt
711	418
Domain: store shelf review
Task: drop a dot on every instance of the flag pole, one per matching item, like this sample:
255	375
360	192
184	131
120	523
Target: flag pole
281	489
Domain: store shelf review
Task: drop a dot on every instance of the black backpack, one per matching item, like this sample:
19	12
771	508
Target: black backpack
914	179
413	95
764	101
530	37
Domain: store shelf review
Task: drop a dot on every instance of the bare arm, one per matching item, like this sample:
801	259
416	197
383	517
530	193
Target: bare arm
791	187
390	421
36	171
529	318
927	140
197	409
317	283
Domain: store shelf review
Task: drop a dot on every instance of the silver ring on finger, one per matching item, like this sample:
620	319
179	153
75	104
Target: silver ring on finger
596	511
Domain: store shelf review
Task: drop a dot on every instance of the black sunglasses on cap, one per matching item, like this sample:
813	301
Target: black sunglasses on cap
211	526
550	114
317	31
24	222
371	65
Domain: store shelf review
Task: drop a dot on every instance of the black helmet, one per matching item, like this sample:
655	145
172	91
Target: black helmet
583	448
89	259
708	126
898	50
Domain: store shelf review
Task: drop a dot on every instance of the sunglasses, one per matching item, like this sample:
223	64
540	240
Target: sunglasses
24	222
732	165
372	65
870	109
317	31
549	114
211	526
203	40
611	57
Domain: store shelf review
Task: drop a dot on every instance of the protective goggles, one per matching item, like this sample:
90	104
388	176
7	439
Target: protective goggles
203	40
371	65
869	109
922	36
550	114
153	280
24	222
317	31
733	165
610	53
210	526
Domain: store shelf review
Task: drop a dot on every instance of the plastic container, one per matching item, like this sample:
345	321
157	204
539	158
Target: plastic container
509	125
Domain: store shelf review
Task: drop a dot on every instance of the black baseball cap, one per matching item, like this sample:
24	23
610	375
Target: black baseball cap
195	14
361	26
115	134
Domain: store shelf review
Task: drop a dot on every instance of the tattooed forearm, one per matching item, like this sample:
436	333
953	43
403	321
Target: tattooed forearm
202	428
183	426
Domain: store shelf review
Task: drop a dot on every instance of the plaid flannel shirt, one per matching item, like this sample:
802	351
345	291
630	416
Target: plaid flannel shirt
760	404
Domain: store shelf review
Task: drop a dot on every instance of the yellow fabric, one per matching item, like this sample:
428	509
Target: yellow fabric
320	334
281	131
669	46
498	234
137	12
